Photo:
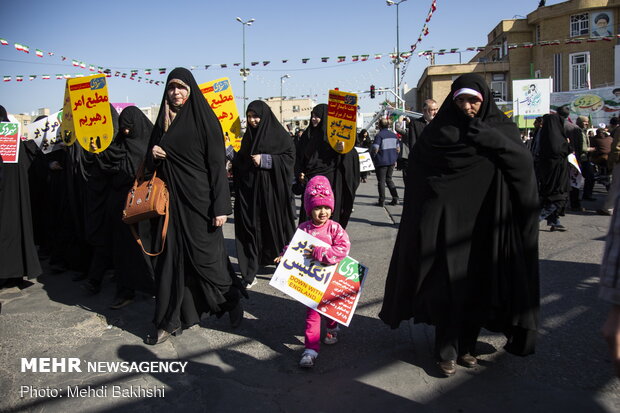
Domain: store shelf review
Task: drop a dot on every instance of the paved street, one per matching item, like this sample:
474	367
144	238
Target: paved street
372	369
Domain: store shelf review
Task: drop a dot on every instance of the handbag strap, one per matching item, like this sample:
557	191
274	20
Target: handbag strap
164	232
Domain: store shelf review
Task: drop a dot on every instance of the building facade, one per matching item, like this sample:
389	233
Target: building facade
292	113
575	43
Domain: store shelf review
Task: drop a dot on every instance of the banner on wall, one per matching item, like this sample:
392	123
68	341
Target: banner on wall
219	95
332	290
91	113
9	142
342	120
46	133
600	104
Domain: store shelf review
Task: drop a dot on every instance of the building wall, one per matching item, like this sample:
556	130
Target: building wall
295	112
537	61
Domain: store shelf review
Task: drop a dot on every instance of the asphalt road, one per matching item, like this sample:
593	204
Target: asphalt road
372	368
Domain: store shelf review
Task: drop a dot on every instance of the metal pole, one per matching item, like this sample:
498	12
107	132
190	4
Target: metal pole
244	70
281	97
397	54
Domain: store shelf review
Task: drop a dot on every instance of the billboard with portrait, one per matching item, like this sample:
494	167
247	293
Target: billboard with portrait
601	23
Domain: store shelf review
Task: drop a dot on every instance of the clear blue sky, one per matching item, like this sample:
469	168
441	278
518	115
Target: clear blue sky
125	35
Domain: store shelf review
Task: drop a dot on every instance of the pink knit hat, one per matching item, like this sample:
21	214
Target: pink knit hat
318	193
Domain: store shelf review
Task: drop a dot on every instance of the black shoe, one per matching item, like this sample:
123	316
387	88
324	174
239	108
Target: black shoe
558	227
92	286
448	367
236	315
467	360
79	276
394	201
162	335
380	204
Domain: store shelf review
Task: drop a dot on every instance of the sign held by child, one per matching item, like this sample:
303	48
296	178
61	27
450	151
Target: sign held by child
331	290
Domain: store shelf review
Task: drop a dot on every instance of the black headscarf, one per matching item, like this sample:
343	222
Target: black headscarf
467	246
342	171
264	218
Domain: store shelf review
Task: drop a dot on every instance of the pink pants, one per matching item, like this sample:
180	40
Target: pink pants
313	329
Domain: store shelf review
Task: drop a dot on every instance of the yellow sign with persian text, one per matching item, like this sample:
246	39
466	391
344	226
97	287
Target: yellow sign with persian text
91	113
219	95
342	120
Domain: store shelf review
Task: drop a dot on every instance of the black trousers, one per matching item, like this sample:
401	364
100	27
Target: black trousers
384	176
455	340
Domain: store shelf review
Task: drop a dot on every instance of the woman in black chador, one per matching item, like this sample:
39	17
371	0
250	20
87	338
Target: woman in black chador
193	275
317	157
263	175
124	156
466	254
18	254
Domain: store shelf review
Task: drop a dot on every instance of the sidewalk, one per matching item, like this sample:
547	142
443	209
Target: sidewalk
372	368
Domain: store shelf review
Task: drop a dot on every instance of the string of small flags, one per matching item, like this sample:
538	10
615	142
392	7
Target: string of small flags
521	45
423	33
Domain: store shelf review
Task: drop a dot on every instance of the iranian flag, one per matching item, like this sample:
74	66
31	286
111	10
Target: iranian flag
91	68
39	53
378	56
364	57
19	46
7	78
26	49
32	77
58	76
3	42
162	70
45	77
19	78
147	71
75	63
83	65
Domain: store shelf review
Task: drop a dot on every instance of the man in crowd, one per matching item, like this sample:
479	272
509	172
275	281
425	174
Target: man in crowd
384	152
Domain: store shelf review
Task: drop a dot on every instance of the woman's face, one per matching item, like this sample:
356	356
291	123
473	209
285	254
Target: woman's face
177	94
253	119
469	104
315	120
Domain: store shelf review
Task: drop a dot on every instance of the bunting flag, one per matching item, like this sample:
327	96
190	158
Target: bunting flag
117	74
58	76
207	66
236	64
223	65
91	68
305	60
365	57
32	77
50	53
124	75
100	70
67	76
83	65
134	72
19	47
63	58
75	63
266	62
355	58
162	70
378	56
7	78
19	78
254	63
284	61
341	59
45	77
324	59
147	71
3	42
38	52
25	49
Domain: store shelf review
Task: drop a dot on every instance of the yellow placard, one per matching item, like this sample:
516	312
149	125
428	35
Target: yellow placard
67	132
342	120
219	95
90	110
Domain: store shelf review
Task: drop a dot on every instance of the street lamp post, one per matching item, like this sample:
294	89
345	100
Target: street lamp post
397	61
244	71
281	94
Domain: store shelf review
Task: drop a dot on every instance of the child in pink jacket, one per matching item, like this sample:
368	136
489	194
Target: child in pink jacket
319	203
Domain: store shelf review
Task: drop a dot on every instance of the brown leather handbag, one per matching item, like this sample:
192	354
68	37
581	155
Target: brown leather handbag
146	200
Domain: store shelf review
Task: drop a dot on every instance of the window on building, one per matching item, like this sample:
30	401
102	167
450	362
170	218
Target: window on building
557	72
537	34
295	108
579	71
505	47
580	24
498	88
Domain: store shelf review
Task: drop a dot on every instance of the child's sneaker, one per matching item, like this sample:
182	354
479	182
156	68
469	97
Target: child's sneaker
332	336
307	358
